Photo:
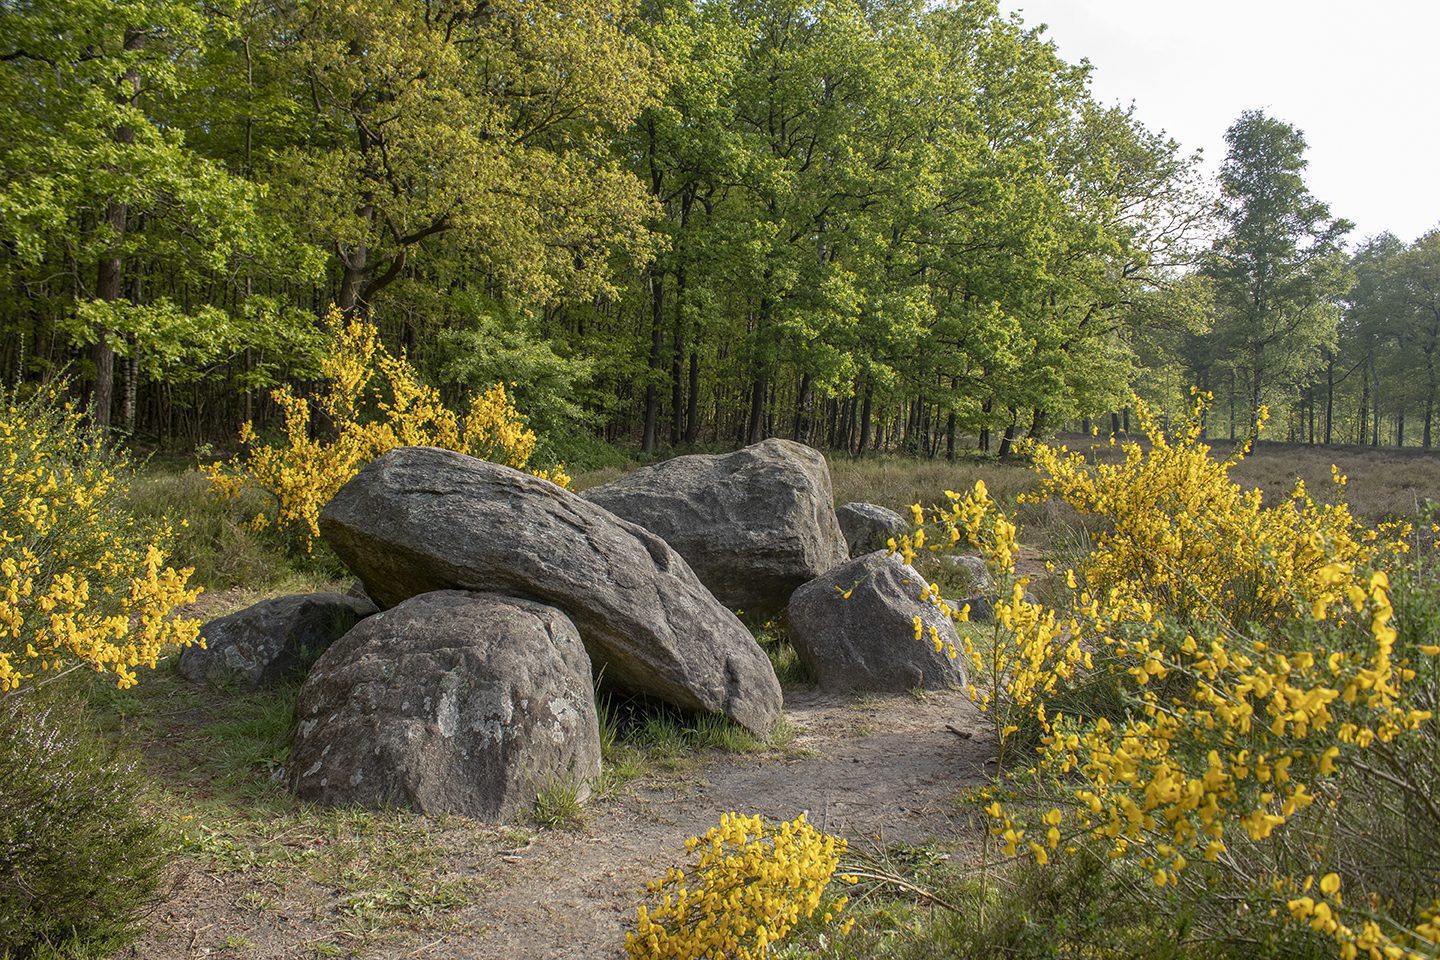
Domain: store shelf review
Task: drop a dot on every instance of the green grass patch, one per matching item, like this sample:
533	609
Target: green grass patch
216	536
639	737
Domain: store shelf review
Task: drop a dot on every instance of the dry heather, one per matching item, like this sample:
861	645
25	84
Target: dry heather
1383	482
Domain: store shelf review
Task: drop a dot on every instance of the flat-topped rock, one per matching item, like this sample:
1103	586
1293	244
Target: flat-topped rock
854	628
271	640
869	527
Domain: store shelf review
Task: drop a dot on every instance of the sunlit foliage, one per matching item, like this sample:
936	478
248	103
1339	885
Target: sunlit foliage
1253	661
750	884
369	401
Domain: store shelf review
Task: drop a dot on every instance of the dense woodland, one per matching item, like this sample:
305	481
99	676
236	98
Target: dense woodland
866	225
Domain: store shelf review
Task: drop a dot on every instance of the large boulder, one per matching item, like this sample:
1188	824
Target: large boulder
264	643
450	702
868	527
419	519
854	628
753	524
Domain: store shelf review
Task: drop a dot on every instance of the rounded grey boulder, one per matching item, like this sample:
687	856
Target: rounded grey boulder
450	702
419	519
264	643
868	527
854	628
753	525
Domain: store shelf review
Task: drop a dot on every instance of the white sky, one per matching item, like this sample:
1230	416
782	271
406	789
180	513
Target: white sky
1362	80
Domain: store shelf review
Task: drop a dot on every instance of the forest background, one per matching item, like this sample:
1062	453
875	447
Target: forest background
866	226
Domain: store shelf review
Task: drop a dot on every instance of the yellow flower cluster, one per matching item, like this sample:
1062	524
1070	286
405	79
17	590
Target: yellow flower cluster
1181	535
1253	648
750	884
1323	914
80	581
1031	648
370	401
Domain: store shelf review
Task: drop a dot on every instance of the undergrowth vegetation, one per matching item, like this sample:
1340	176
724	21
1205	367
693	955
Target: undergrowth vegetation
1227	708
84	585
82	582
82	853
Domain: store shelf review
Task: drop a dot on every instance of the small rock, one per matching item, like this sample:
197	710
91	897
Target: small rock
965	572
982	607
264	643
868	527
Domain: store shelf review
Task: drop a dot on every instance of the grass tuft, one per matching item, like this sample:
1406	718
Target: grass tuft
558	805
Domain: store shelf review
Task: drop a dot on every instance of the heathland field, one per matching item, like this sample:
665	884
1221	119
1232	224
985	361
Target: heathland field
966	831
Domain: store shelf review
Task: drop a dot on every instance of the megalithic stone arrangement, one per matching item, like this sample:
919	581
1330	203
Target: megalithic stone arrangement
420	519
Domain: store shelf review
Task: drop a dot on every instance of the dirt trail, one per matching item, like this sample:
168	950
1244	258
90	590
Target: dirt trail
875	770
882	769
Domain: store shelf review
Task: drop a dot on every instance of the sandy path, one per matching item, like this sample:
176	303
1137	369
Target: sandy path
875	770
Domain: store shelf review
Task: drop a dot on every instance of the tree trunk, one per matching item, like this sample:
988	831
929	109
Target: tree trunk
657	349
1232	404
353	264
132	378
1203	385
802	418
1007	442
851	412
755	429
1375	404
1429	396
1364	408
1329	398
1257	382
1037	424
111	268
692	404
865	411
677	357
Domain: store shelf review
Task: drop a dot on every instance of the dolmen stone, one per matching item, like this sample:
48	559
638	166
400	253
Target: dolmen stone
964	572
420	519
854	628
271	640
868	527
754	524
450	702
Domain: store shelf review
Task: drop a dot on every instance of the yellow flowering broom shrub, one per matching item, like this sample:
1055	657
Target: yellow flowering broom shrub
369	401
82	583
1255	674
751	882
